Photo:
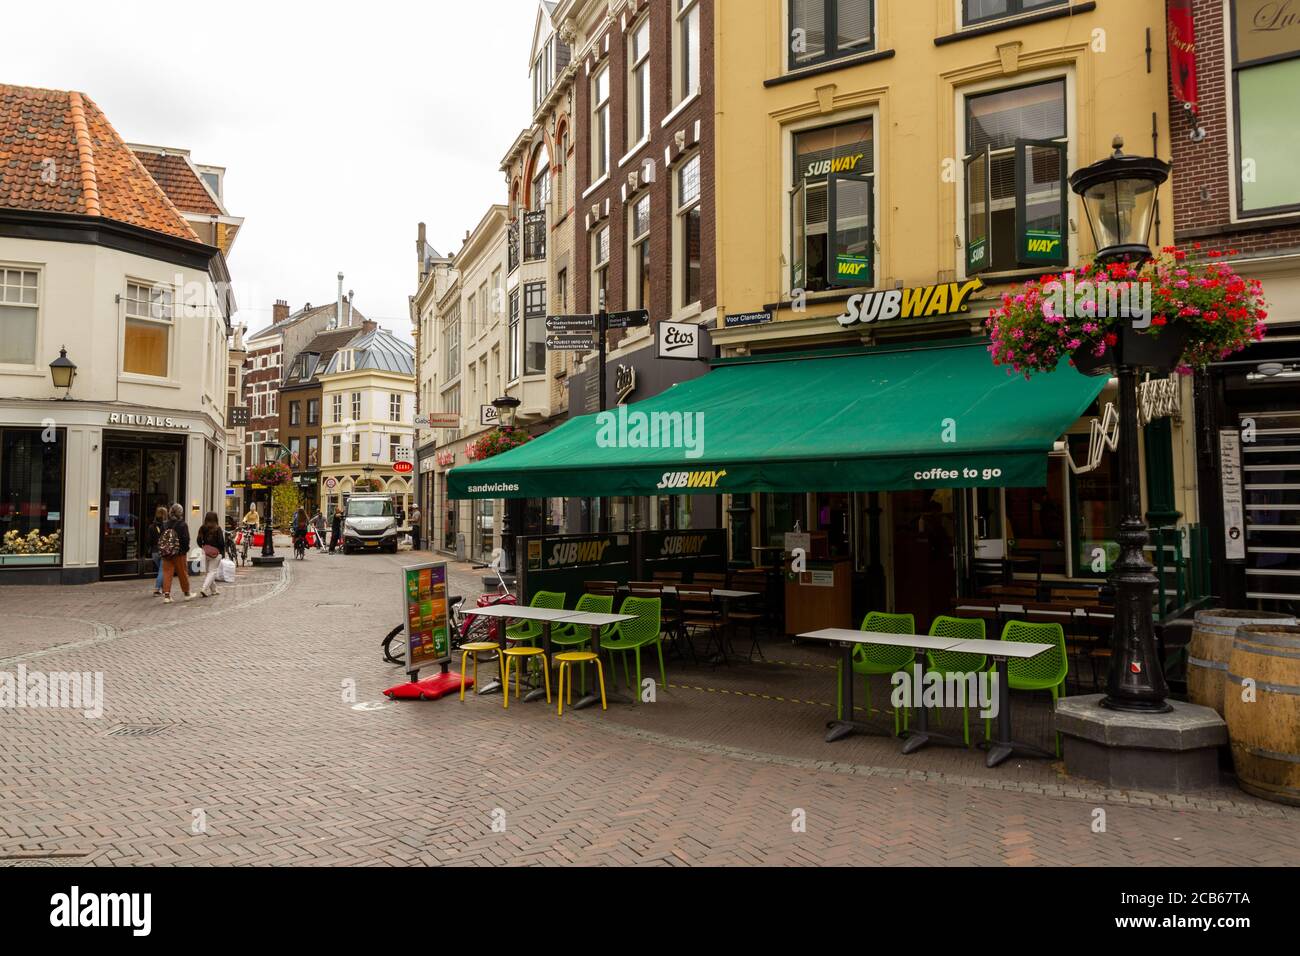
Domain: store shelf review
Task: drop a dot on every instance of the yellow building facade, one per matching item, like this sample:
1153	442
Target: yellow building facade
949	128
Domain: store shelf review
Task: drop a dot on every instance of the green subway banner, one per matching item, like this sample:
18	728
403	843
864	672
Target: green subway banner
888	419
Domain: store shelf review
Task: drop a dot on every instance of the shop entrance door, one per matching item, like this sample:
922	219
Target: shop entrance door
924	578
138	477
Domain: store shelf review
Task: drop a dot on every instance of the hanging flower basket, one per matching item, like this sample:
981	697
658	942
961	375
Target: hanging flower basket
1179	310
271	474
497	441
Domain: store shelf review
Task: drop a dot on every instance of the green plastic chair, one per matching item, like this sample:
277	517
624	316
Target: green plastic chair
634	635
578	636
958	662
1045	672
869	659
529	632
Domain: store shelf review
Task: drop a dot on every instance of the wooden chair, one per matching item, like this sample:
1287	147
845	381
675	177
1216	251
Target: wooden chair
699	610
1080	597
1013	590
711	578
668	577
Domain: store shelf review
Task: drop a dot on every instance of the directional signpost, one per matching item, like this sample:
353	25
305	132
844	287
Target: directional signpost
586	333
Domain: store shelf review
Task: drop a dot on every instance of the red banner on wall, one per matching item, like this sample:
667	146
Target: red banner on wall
1182	52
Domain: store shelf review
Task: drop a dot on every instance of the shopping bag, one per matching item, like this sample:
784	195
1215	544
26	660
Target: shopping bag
196	560
227	572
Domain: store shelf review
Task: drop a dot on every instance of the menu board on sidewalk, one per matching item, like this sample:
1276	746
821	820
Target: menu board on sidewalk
424	593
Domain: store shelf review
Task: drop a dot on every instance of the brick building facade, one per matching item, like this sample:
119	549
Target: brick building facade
1235	188
677	133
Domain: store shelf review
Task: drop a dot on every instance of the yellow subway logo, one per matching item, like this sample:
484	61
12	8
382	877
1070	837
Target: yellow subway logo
691	479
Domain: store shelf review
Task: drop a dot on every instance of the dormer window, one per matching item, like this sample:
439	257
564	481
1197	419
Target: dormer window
543	68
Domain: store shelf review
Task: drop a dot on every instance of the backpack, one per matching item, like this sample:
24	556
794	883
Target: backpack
169	543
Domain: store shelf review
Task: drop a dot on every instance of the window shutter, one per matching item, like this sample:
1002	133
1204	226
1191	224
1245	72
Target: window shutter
850	230
1041	203
979	213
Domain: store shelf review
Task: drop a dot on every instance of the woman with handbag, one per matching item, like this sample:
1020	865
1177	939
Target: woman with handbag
151	536
213	542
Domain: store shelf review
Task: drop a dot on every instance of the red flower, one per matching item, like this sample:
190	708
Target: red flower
1112	339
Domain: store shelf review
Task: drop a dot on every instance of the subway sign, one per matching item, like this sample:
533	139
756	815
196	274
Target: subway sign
946	298
1040	245
837	164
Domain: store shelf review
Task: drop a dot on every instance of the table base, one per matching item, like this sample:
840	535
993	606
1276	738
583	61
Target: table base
1000	750
914	740
839	729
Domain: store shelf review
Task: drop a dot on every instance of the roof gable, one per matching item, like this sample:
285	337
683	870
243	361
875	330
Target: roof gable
59	153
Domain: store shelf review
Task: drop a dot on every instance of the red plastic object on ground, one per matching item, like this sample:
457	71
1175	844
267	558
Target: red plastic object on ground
311	539
431	688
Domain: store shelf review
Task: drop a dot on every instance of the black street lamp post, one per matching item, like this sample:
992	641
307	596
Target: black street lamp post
270	453
511	508
1119	196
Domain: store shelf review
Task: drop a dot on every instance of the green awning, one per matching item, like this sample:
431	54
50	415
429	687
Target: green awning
883	420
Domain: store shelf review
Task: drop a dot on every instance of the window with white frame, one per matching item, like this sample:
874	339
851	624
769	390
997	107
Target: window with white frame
394	406
825	30
146	341
689	241
638	83
543	67
471	315
541	191
639	254
600	269
1016	162
498	294
600	123
686	52
394	443
336	449
534	328
19	316
356	447
451	342
822	253
356	406
561	165
337	403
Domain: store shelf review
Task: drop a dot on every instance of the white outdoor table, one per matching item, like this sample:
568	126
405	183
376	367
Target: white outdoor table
595	620
522	612
1002	651
920	643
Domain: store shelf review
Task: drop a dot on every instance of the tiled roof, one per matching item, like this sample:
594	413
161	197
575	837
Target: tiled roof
59	153
173	172
304	313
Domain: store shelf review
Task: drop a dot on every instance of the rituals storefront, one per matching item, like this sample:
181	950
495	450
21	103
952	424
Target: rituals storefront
80	481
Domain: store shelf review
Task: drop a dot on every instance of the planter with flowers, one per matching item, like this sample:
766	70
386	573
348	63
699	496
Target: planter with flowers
1182	309
270	474
496	442
30	548
369	484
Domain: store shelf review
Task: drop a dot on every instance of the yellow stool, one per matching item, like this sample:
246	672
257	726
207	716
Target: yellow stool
579	657
516	655
475	648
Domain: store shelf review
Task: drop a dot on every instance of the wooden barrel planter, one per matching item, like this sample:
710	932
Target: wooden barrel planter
1211	645
1265	733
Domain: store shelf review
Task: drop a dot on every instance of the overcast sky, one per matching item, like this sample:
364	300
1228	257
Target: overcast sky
341	126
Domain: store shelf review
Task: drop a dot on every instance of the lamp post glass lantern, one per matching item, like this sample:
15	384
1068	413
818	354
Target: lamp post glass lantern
1119	196
63	371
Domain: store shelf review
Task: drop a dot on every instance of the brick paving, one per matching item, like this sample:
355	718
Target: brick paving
277	747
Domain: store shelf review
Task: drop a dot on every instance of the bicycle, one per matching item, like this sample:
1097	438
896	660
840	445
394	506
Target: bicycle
243	538
300	545
466	627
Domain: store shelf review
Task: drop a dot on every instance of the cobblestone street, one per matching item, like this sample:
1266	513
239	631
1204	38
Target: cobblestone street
232	720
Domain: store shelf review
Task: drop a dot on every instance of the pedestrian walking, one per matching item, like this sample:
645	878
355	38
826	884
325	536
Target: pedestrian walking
318	526
336	528
213	542
415	527
151	536
173	547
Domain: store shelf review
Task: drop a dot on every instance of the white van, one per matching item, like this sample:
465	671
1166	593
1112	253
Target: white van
370	524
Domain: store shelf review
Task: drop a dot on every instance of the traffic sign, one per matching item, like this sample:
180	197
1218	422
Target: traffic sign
570	323
403	467
331	483
628	320
571	343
